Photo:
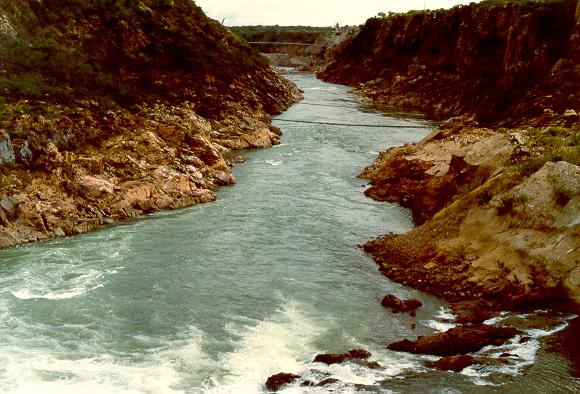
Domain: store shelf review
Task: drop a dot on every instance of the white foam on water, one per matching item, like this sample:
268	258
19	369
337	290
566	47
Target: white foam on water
62	287
27	294
63	272
282	343
349	374
444	320
439	326
273	162
498	319
445	314
539	333
521	354
41	372
160	371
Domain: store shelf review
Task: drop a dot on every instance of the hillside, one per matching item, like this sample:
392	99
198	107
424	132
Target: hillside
111	108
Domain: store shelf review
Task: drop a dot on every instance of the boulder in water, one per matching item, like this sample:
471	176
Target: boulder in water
353	354
458	340
275	382
397	305
452	363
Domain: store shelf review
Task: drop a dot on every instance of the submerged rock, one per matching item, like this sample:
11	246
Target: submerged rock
457	340
452	363
397	305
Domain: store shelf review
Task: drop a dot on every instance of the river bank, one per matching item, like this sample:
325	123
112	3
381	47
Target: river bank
495	190
110	121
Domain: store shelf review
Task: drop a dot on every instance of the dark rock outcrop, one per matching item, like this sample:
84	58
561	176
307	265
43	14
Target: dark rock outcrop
457	340
353	354
327	382
452	363
397	305
275	382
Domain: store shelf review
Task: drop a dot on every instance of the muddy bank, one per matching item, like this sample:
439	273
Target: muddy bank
124	119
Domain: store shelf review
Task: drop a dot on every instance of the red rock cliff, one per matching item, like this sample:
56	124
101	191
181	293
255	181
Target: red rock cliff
501	62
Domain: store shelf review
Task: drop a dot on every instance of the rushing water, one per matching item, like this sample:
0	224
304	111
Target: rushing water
218	297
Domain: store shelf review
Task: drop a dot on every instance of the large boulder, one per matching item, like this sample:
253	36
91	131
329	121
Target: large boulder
457	340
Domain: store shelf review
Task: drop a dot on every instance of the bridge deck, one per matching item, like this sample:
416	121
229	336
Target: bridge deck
284	43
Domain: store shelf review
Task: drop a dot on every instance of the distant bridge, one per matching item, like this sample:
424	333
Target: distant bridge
286	43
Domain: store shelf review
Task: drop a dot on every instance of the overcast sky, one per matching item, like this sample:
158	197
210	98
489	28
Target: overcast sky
311	12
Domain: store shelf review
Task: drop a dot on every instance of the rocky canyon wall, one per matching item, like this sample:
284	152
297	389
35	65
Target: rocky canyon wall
500	61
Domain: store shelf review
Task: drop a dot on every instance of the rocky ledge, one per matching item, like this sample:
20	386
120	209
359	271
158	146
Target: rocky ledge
498	213
159	158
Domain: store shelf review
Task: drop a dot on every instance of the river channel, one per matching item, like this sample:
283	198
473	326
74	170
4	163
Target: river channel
217	297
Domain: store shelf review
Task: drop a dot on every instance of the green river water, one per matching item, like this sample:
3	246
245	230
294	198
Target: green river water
215	298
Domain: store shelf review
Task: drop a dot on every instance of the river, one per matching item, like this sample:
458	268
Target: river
217	297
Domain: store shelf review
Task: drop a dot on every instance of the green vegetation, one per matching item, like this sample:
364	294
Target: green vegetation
259	30
115	50
519	2
484	3
556	144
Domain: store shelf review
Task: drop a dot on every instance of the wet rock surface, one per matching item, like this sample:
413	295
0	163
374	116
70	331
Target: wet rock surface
276	382
353	354
456	341
452	363
319	378
401	306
